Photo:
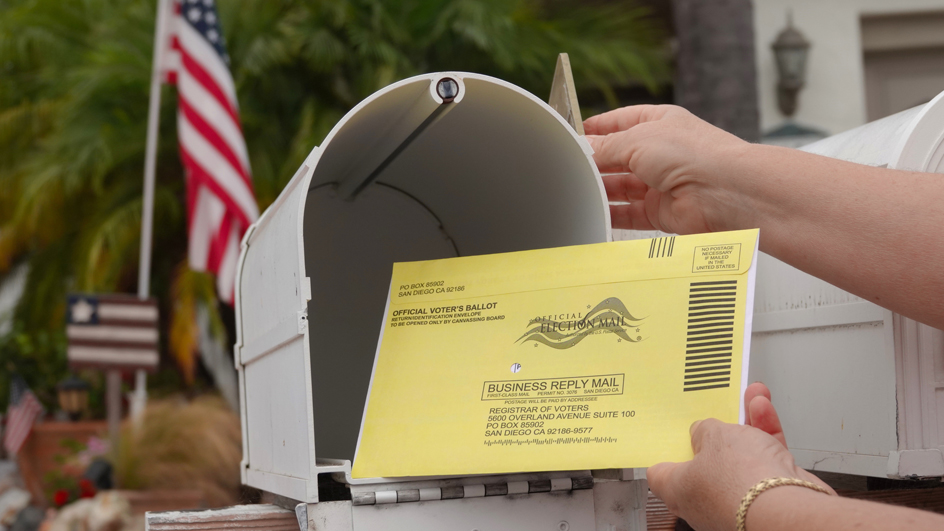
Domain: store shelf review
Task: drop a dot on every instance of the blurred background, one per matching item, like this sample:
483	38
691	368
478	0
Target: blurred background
74	86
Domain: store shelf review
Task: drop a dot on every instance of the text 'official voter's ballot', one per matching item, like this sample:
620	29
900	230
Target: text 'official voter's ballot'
585	357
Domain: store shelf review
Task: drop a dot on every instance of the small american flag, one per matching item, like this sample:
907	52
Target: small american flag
22	412
220	200
112	332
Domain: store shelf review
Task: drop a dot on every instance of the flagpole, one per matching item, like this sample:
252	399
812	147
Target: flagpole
139	399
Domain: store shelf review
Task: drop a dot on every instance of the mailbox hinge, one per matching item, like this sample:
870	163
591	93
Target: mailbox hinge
472	491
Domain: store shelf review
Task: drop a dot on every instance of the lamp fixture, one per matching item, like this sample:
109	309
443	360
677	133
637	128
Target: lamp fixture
791	50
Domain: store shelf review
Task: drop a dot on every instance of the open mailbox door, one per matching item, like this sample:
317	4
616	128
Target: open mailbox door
435	166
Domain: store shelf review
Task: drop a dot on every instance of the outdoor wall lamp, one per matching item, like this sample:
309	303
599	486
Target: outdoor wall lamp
73	396
791	49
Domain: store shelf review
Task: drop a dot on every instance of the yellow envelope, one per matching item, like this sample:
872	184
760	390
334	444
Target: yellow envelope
586	357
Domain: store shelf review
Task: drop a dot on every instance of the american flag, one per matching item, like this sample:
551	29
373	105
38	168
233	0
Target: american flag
112	331
21	414
220	200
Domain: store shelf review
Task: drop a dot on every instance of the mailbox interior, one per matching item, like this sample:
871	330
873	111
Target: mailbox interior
494	171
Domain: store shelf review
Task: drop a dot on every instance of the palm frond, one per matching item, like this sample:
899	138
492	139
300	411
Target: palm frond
73	112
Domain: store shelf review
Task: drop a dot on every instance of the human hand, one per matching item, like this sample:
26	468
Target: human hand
729	460
673	169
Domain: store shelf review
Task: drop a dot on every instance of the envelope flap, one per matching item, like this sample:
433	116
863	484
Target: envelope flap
705	255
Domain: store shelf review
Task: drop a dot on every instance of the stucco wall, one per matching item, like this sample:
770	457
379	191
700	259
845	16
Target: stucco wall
834	97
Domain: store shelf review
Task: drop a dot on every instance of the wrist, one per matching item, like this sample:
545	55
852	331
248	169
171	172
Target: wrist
776	508
731	187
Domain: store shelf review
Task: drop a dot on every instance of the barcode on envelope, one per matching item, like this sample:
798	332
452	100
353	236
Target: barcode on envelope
661	247
710	337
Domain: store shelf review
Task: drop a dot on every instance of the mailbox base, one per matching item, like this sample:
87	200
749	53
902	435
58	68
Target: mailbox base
598	503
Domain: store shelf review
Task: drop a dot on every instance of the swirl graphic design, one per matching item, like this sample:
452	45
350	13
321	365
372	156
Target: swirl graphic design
610	316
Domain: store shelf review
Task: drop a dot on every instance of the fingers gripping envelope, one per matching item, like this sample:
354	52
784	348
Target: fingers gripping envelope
585	357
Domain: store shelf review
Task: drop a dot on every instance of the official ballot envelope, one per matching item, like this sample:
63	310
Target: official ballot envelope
586	357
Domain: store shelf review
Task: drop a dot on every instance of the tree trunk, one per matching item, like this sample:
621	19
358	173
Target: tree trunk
716	76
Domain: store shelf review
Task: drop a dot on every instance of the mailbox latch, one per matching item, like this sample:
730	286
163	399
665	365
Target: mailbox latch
302	321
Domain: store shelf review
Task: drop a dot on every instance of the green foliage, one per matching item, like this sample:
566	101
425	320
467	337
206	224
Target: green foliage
39	356
319	59
74	80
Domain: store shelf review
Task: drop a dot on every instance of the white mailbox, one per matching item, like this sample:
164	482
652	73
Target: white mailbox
860	389
434	166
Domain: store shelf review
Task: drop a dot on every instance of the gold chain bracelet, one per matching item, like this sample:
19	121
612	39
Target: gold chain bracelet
767	484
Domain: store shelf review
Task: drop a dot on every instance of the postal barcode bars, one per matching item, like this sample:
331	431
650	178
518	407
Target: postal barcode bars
710	335
661	247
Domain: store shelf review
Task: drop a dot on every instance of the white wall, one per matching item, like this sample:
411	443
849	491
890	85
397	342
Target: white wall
834	97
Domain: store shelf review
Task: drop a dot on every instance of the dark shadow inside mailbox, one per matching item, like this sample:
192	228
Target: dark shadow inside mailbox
407	175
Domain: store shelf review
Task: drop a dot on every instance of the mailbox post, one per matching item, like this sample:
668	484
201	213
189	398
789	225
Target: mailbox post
435	166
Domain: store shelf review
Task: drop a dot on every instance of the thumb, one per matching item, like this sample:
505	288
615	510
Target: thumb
754	390
665	482
764	417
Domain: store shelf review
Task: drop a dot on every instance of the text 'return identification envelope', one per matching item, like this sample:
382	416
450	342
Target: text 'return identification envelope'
585	357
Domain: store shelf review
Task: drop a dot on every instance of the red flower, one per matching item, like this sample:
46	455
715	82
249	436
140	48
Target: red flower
61	497
86	489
